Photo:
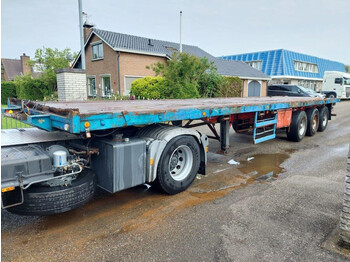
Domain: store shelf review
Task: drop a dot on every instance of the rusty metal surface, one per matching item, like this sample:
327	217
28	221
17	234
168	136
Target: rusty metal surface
157	106
24	136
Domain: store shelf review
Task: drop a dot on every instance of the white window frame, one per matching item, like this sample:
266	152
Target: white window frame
88	85
102	85
255	64
125	76
92	50
303	66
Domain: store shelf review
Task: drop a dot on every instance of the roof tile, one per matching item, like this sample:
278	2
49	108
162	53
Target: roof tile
166	48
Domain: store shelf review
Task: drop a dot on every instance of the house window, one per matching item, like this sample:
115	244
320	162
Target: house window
106	86
97	51
127	83
305	67
255	64
91	86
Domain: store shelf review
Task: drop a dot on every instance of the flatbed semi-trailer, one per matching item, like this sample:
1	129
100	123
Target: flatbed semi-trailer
120	144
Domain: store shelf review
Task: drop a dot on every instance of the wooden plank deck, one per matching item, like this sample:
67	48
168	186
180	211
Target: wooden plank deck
156	106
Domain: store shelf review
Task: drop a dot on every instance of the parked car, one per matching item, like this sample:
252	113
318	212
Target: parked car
291	90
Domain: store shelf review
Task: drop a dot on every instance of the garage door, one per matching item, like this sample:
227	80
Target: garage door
254	88
127	83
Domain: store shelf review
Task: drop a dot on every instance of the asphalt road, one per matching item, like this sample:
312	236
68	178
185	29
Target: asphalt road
280	203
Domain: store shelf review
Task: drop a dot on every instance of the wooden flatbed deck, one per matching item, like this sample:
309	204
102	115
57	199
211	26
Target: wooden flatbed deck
156	106
71	116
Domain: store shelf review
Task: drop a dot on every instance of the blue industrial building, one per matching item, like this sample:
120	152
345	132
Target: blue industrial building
289	67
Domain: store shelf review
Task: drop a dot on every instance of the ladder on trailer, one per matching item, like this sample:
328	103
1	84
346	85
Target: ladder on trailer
264	129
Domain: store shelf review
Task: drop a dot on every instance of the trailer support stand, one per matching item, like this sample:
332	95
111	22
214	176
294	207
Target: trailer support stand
224	135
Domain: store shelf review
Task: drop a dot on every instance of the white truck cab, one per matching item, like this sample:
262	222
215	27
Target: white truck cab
336	84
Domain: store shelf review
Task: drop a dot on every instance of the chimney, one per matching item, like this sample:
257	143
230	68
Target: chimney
87	29
25	64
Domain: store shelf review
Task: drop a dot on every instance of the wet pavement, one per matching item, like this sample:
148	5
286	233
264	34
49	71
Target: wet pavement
269	202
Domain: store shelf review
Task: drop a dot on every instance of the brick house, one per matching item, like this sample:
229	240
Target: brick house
115	60
10	68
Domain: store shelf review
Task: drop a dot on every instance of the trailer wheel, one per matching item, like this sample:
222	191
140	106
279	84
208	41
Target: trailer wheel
324	115
178	165
45	200
313	117
298	125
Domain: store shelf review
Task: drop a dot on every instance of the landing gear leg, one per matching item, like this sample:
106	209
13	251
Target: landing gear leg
224	135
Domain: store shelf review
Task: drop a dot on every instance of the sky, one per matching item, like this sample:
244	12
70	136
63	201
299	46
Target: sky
220	27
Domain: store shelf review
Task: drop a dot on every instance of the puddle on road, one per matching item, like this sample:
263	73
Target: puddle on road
264	165
226	177
134	210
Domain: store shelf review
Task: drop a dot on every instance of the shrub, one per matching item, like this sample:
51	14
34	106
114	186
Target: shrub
8	89
230	87
210	84
188	76
149	88
30	88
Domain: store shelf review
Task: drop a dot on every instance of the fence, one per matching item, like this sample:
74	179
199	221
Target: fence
9	123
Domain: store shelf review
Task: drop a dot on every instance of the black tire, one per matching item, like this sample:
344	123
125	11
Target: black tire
332	95
297	128
313	119
45	200
324	116
165	180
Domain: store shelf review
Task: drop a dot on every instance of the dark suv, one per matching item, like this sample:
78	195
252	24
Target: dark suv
291	90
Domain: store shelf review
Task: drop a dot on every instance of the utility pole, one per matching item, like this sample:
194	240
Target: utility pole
82	48
180	31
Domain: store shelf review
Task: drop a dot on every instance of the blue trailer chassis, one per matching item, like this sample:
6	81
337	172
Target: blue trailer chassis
76	123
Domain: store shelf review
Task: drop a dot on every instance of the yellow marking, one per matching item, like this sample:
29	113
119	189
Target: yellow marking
86	124
207	149
6	189
151	161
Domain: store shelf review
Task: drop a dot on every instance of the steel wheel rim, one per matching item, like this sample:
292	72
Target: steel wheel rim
314	122
180	163
302	127
325	119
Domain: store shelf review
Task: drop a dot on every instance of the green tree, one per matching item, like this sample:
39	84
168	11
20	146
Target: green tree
347	68
48	60
188	76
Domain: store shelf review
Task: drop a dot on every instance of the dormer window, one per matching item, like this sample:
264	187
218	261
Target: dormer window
97	51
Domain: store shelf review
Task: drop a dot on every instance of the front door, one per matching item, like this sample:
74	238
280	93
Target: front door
254	88
106	86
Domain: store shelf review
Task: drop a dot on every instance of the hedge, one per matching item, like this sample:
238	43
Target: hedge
30	88
8	89
231	87
149	88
